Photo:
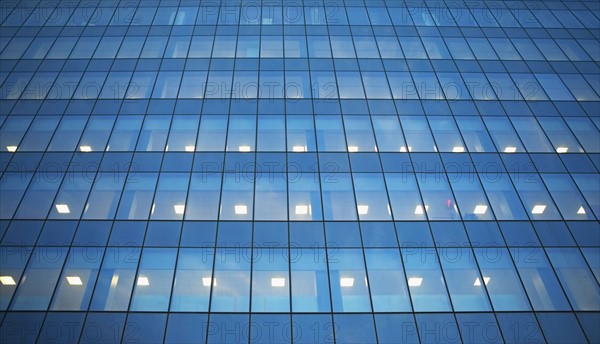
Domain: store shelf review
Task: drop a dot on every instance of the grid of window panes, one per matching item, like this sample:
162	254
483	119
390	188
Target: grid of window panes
308	171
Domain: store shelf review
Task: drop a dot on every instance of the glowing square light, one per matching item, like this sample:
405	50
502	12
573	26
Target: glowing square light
458	149
302	209
352	149
85	148
241	209
7	280
346	282
415	281
363	209
404	150
419	209
179	209
486	280
510	149
63	209
74	280
143	281
190	148
480	209
562	149
11	148
581	211
207	280
299	149
277	282
538	209
244	148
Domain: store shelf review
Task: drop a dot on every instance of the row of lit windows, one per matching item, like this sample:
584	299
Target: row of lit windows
301	46
297	84
385	328
300	133
295	13
330	195
299	280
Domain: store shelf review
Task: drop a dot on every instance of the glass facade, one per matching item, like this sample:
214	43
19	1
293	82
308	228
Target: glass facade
307	171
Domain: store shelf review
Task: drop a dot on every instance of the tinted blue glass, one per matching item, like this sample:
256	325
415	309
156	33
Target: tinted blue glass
256	165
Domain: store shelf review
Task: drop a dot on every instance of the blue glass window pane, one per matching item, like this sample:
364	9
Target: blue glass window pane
136	202
357	328
425	281
116	279
193	280
519	327
541	284
503	286
349	284
479	328
387	282
437	328
40	278
183	328
310	283
12	267
231	288
78	279
154	280
270	280
391	327
338	197
578	282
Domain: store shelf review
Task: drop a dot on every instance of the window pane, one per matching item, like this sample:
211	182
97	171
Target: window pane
371	197
170	196
386	281
153	135
404	196
71	198
539	279
571	204
425	281
349	284
116	279
136	202
338	197
271	197
78	279
437	196
310	282
104	196
12	267
203	196
125	133
504	287
212	133
39	280
231	285
270	280
464	282
154	280
470	196
577	280
388	133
